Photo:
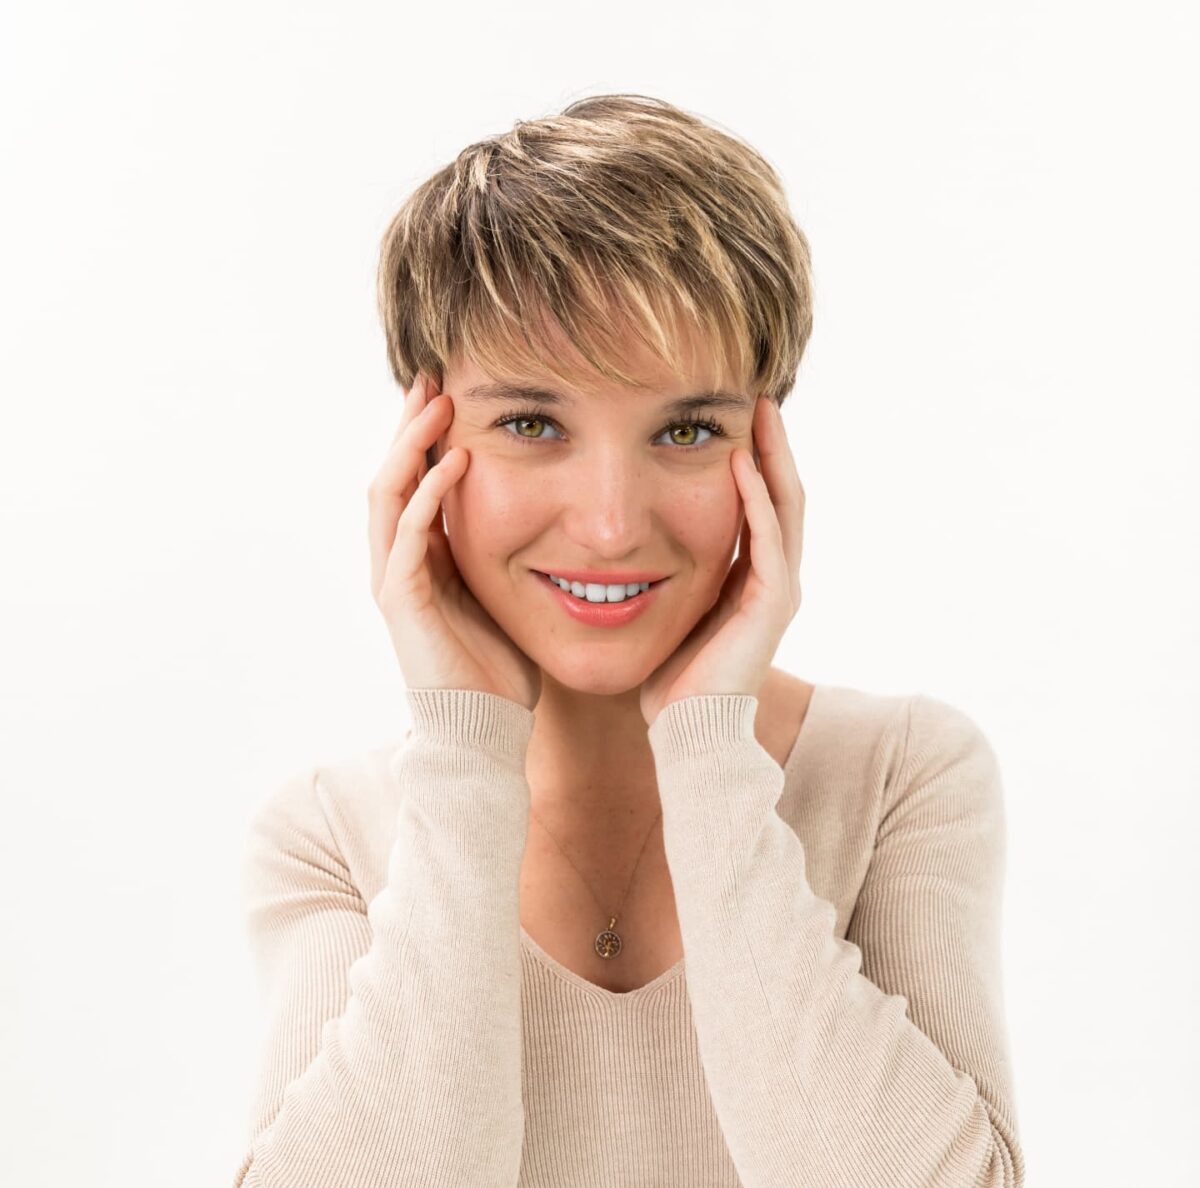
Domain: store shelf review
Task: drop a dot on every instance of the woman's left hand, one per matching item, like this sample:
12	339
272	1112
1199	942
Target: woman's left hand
731	648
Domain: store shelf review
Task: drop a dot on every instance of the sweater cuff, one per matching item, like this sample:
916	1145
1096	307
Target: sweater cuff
470	717
702	725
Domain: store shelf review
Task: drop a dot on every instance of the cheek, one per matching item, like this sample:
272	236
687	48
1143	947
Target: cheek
494	508
489	505
705	520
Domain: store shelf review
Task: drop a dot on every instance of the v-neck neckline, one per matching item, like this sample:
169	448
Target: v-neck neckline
601	994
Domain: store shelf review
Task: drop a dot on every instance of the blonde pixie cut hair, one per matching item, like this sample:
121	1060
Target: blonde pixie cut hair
623	214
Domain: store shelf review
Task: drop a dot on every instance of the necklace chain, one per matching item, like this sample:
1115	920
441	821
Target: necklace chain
608	943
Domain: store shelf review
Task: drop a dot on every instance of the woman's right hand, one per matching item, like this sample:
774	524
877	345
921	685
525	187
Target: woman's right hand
443	637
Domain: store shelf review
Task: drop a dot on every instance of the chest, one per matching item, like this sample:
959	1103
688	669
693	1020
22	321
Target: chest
572	886
564	910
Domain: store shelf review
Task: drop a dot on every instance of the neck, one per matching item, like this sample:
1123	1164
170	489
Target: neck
589	763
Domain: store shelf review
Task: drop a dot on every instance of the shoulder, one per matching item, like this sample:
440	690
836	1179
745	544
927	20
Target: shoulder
949	775
337	816
840	727
317	796
918	729
889	742
938	727
945	743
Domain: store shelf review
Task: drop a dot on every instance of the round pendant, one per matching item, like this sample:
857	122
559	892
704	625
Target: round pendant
608	944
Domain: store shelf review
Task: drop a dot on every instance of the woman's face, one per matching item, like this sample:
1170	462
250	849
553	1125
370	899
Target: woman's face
608	480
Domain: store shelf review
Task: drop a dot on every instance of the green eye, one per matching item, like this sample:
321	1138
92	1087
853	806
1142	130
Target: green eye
531	416
689	425
524	419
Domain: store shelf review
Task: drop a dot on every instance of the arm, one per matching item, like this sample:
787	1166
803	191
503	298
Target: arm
393	1039
821	1074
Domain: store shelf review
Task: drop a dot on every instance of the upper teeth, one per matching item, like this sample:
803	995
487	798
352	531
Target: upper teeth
595	592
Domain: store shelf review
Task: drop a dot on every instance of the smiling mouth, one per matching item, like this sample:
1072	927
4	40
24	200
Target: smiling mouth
596	593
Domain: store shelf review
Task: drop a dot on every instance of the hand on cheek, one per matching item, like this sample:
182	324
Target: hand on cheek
731	648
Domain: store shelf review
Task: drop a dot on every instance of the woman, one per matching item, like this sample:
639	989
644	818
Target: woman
628	905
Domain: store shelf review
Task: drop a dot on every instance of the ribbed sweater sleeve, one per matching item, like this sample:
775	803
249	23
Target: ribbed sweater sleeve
820	1074
393	1049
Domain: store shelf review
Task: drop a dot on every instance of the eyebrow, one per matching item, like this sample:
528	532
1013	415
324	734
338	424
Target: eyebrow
497	391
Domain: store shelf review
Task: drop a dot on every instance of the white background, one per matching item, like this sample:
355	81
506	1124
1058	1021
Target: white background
995	423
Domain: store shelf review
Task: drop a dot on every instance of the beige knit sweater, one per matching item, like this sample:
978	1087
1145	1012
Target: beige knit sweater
837	1020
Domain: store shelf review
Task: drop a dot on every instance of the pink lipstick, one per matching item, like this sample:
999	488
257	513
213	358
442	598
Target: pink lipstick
601	614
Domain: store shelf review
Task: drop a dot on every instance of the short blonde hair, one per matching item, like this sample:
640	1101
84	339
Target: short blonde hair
621	213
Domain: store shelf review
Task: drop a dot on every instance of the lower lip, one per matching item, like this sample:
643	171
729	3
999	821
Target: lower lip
601	614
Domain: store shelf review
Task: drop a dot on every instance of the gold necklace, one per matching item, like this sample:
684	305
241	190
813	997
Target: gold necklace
608	943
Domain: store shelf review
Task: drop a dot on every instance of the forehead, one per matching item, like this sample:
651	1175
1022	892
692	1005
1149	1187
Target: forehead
696	366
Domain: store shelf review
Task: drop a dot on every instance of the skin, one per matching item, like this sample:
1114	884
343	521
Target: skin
599	484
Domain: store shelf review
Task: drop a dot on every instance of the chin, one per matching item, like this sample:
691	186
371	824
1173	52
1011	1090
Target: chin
595	674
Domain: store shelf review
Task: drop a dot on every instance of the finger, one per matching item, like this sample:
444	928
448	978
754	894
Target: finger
744	540
414	401
424	391
398	479
433	389
415	530
783	482
735	581
767	554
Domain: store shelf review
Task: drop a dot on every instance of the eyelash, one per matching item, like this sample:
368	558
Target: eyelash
714	427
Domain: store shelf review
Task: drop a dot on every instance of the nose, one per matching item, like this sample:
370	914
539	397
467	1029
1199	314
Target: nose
610	510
